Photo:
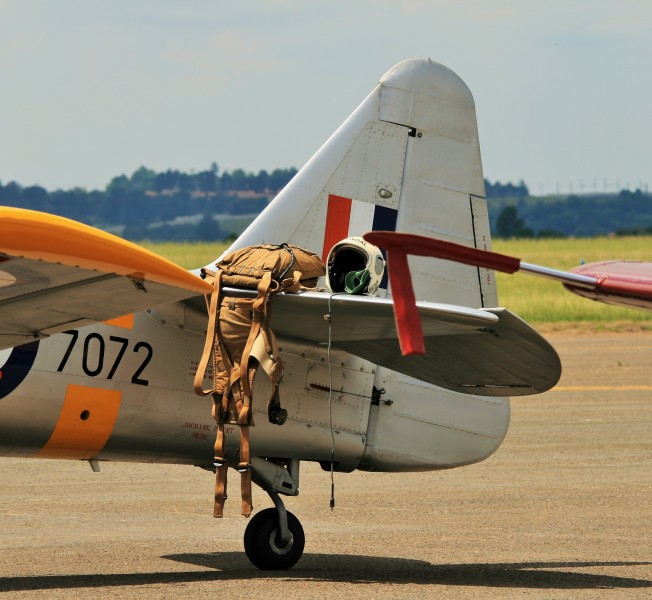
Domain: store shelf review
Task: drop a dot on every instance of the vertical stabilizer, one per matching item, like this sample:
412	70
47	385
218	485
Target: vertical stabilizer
408	159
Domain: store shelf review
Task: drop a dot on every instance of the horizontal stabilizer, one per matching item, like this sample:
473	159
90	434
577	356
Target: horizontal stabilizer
489	352
58	274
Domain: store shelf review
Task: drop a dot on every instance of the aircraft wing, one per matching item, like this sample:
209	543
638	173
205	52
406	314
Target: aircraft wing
489	352
618	282
57	274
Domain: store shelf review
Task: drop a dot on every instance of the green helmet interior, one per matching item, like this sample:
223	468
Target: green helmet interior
355	282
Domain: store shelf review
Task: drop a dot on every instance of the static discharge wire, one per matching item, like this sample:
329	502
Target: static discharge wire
329	318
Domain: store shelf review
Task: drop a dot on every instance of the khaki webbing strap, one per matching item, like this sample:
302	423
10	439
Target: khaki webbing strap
267	356
221	466
245	492
266	283
266	331
293	284
269	362
224	355
234	383
220	490
208	345
245	470
244	466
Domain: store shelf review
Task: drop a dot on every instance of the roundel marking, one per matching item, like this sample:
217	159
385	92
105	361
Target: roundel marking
15	364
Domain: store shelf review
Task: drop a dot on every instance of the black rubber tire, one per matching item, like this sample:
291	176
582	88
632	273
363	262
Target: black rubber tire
261	546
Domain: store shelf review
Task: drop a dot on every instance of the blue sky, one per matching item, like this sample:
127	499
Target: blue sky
90	90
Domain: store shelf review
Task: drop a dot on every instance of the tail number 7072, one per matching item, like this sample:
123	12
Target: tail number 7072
93	363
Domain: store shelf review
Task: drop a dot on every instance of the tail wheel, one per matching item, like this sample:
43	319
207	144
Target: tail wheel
263	545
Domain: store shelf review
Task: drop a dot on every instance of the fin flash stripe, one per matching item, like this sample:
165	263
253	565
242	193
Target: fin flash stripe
337	222
86	421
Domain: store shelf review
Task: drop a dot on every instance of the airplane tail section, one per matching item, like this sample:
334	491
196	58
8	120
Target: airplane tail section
407	159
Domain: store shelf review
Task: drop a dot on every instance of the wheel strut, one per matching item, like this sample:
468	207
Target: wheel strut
274	538
282	514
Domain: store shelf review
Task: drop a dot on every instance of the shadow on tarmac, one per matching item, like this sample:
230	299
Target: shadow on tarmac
221	566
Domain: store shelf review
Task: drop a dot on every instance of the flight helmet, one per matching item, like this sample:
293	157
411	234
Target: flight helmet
354	266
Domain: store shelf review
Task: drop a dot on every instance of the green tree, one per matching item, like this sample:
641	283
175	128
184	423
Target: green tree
166	180
509	224
240	180
35	197
279	178
118	185
208	230
208	181
143	179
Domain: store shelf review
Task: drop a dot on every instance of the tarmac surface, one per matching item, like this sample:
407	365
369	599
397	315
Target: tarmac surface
562	510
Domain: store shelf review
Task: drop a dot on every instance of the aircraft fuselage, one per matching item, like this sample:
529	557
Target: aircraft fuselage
122	391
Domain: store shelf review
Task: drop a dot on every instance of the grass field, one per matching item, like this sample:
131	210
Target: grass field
189	255
544	303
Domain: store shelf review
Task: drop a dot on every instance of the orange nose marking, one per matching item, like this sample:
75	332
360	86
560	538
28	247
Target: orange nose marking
85	423
127	321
